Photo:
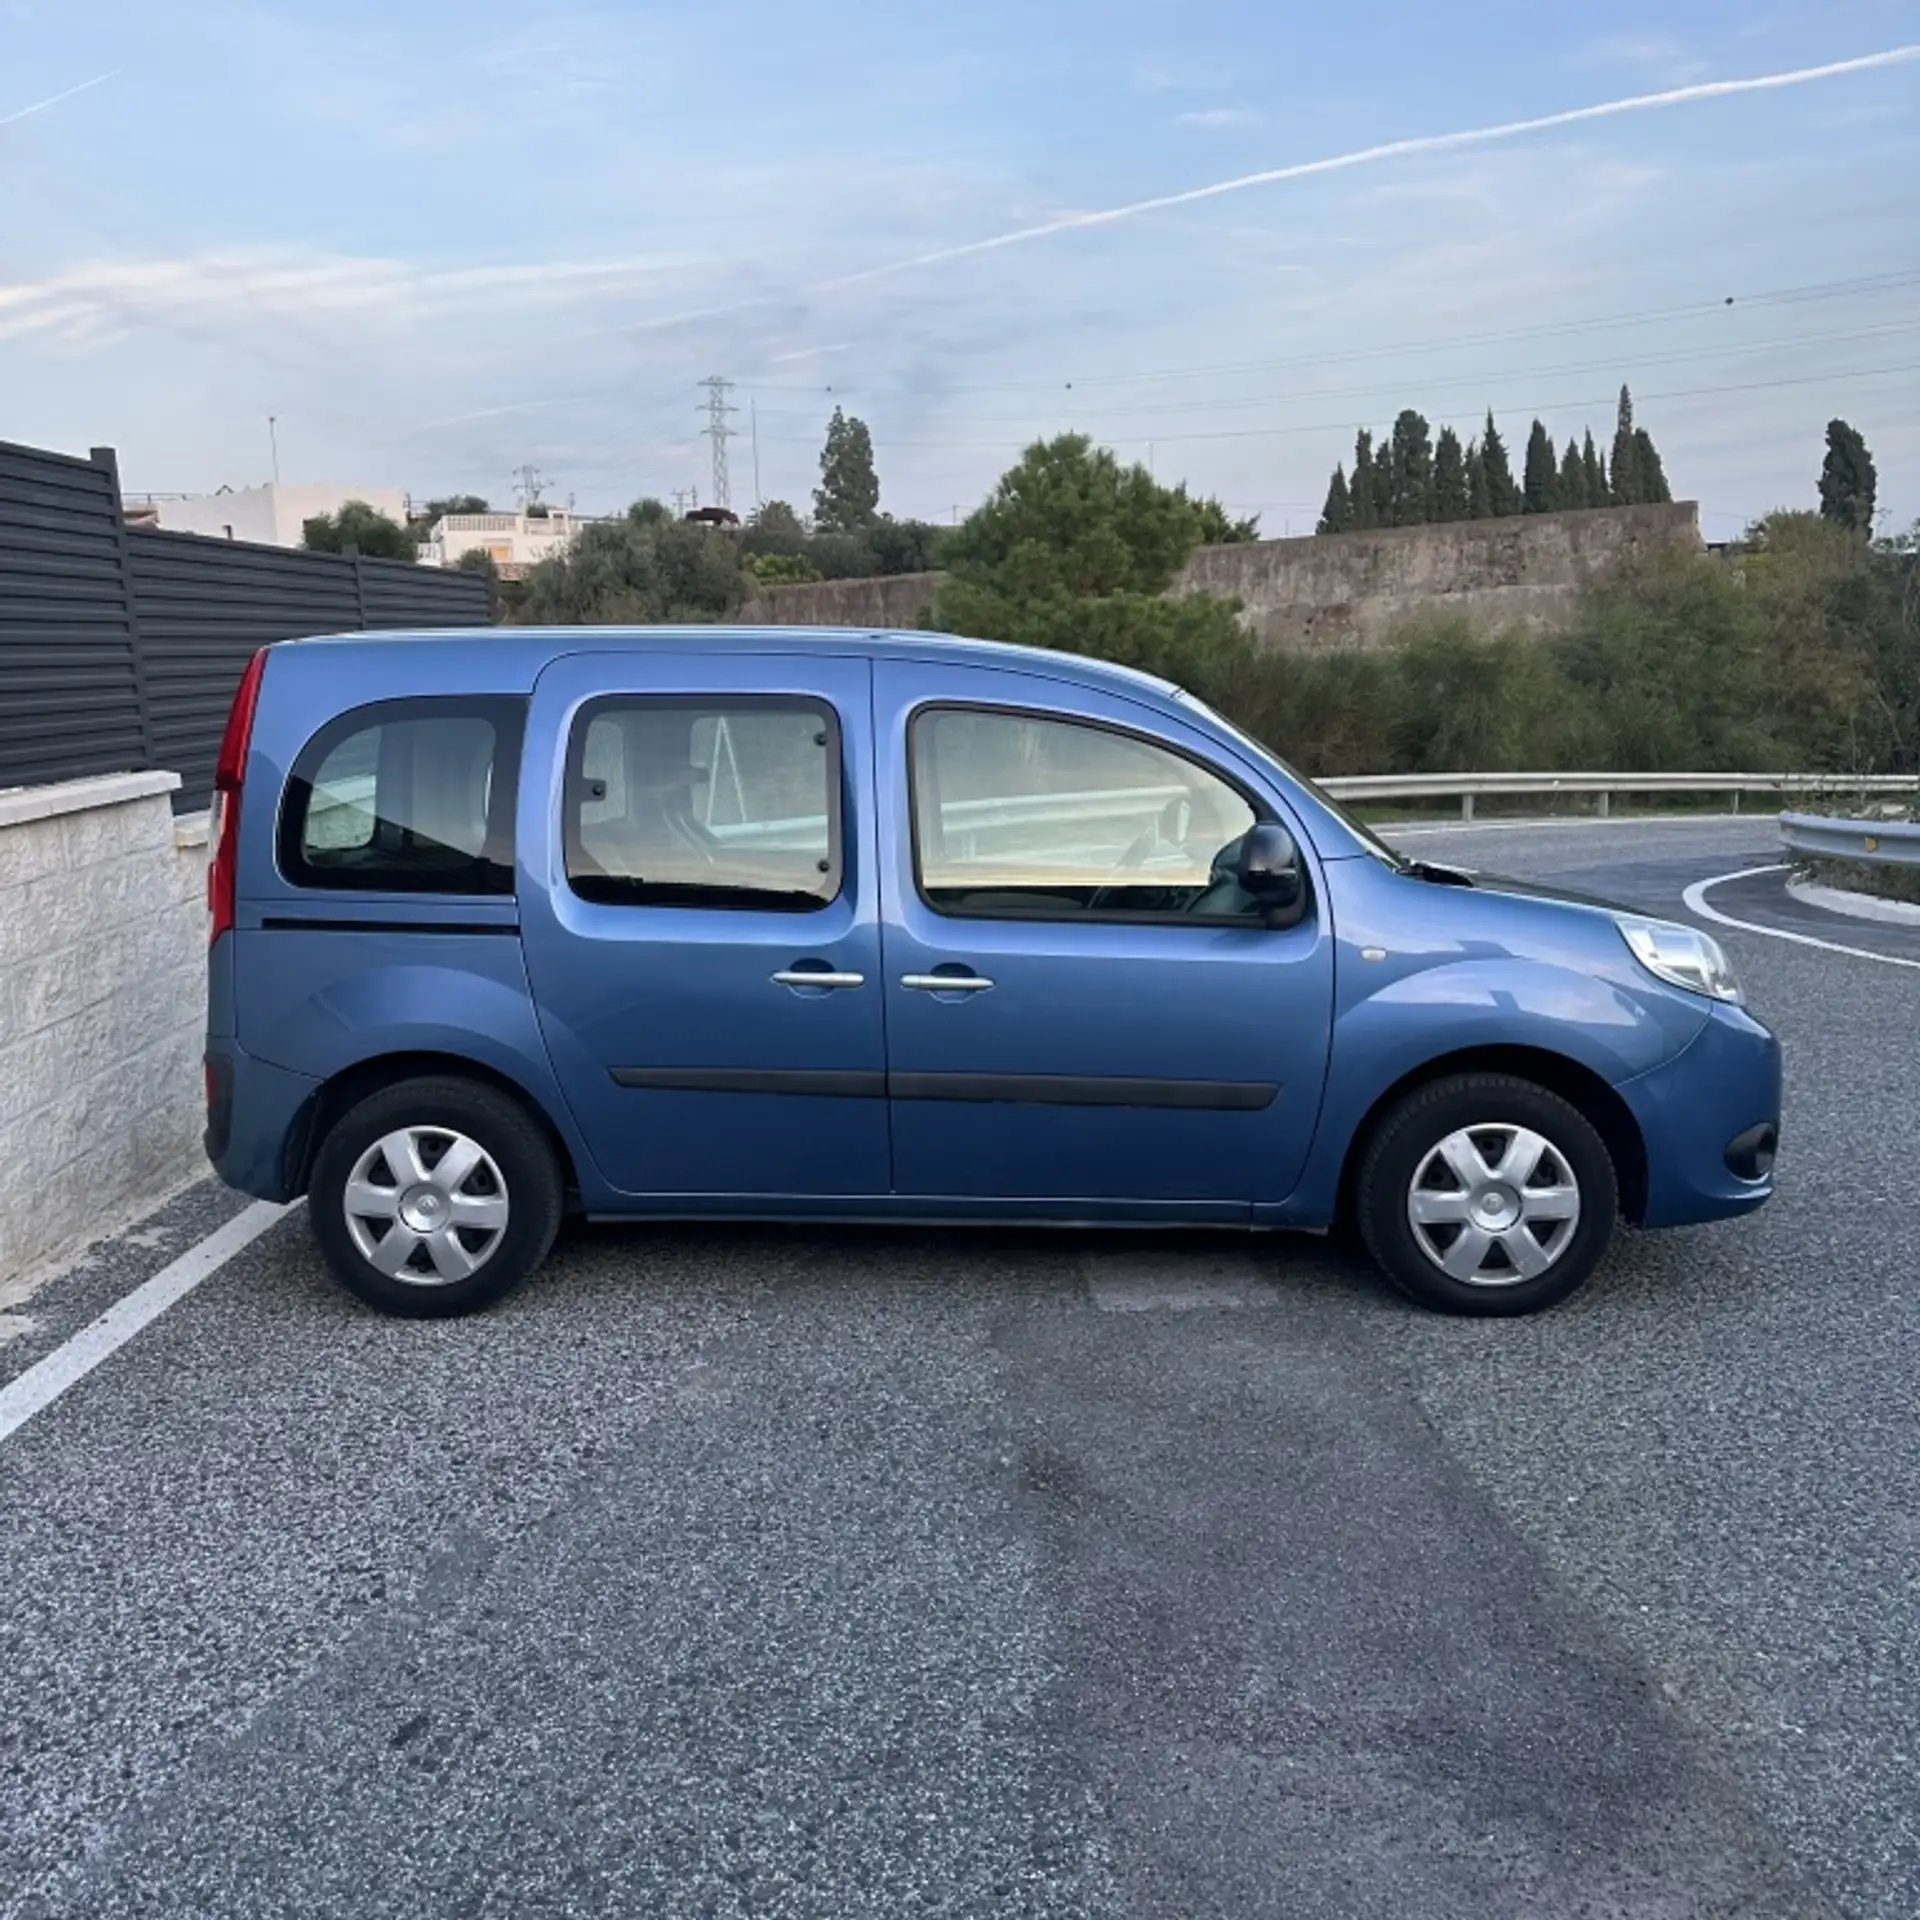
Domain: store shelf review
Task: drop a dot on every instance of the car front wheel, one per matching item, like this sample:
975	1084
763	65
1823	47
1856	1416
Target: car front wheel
1485	1193
435	1197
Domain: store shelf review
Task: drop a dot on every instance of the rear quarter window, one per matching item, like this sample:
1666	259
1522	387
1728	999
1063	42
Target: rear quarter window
406	796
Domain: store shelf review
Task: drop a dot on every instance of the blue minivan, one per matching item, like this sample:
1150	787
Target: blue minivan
884	926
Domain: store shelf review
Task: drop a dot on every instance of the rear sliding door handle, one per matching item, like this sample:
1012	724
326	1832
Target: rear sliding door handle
804	977
946	982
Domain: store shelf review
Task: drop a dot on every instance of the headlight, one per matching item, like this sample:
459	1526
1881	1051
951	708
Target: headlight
1683	956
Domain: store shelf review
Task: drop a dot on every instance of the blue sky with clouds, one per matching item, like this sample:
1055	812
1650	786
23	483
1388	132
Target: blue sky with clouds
438	241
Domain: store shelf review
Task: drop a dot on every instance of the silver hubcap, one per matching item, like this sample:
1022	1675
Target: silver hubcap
426	1205
1494	1205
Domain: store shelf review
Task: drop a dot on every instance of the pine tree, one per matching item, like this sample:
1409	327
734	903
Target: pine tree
1848	481
1479	497
1596	470
1626	468
1360	488
1648	472
848	496
1573	478
1542	489
1503	495
1410	472
1450	497
1337	515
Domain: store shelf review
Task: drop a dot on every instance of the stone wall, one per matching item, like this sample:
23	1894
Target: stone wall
1341	590
888	600
102	1008
1351	589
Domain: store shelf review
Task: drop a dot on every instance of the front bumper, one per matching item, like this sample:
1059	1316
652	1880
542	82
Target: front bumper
1703	1115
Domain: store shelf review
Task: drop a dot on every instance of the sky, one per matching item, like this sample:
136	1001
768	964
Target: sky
441	242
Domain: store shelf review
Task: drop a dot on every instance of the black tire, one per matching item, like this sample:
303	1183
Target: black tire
1407	1145
523	1172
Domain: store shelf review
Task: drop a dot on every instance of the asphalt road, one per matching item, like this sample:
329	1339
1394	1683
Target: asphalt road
833	1573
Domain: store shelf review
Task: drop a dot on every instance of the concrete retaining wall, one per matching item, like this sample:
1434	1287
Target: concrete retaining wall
102	1007
1341	590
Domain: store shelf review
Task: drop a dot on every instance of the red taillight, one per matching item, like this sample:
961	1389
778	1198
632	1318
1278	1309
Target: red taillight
223	830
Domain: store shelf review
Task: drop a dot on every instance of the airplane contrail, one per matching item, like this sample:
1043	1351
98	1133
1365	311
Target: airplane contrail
1390	150
54	99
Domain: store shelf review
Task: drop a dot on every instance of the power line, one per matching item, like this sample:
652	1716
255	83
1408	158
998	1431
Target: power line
1239	405
1343	426
719	433
1778	296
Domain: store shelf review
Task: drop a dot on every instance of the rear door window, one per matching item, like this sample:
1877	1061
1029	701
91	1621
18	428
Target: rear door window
407	796
723	800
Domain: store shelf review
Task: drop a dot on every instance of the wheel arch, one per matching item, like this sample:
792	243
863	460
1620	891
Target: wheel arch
1578	1085
347	1088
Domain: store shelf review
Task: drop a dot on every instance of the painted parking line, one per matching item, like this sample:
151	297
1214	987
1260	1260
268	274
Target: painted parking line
1696	902
71	1361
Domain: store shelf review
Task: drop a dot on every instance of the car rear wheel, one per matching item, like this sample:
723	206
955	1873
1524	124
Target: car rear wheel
435	1197
1486	1194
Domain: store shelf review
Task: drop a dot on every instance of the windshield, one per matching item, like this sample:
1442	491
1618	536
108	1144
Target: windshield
1258	750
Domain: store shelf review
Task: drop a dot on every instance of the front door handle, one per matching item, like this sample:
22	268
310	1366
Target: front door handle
807	977
946	982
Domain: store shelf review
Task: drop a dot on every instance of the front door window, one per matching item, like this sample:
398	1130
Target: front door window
1024	816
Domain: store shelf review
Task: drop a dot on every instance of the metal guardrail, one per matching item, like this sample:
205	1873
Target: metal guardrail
1881	843
1467	787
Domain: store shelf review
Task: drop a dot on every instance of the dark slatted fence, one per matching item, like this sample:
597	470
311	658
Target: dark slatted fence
120	647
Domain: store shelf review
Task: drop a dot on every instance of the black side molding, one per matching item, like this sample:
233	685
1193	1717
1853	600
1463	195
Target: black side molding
1086	1090
297	923
846	1083
1011	1089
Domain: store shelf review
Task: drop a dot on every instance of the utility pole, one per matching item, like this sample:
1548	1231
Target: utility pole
273	440
753	421
685	499
528	481
719	433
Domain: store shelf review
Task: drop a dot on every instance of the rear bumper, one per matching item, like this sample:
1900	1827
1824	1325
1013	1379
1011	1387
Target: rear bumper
255	1114
1706	1117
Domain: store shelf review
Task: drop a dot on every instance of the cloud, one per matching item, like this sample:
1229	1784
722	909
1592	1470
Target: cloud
1388	150
103	298
1219	117
1657	53
54	99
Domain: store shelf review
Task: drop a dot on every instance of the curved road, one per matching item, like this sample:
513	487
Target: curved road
804	1573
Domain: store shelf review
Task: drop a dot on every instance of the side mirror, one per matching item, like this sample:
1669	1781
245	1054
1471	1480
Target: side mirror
1270	871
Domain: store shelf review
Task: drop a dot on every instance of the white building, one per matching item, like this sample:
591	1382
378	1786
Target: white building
272	514
516	541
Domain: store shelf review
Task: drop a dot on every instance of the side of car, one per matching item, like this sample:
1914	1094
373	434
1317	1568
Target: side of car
844	930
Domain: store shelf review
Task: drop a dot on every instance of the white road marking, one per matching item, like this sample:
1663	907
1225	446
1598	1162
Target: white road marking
46	1380
1696	901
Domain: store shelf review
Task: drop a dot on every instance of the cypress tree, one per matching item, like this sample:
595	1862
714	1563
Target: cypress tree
1542	490
1848	480
1337	515
1647	470
1450	497
1503	494
1360	489
1626	468
1573	478
1410	471
1596	470
1479	498
1383	486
